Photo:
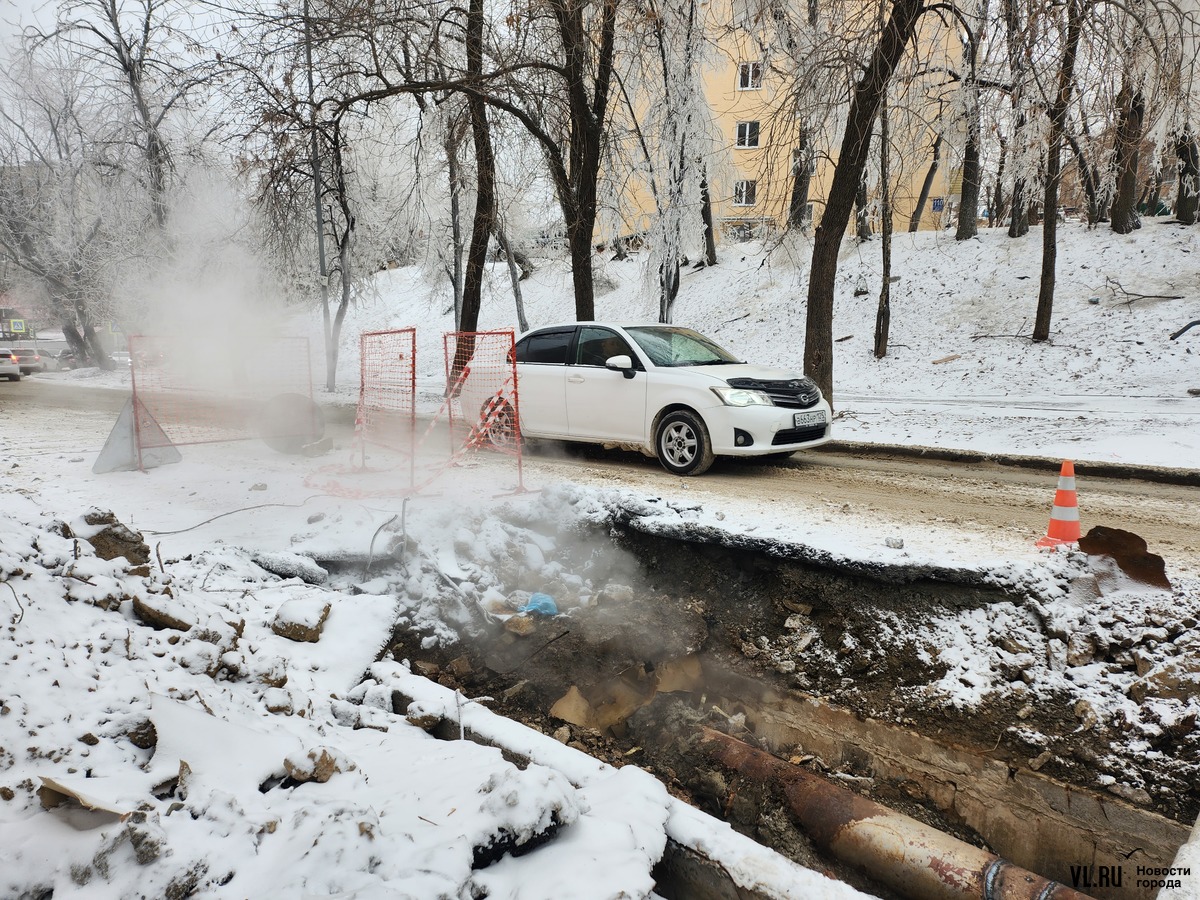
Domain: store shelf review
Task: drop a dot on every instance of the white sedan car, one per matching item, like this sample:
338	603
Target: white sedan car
667	391
10	366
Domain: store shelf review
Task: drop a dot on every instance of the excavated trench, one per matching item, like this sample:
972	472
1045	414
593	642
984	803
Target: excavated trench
822	663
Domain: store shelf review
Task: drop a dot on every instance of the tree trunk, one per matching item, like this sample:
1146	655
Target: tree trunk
883	315
862	207
576	184
968	200
668	283
706	216
996	207
1155	198
1124	212
515	276
456	229
522	260
968	207
798	218
1058	118
78	344
484	219
345	262
1088	178
914	223
1019	225
331	352
346	282
1187	203
847	174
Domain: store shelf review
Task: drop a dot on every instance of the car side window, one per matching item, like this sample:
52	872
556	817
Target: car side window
545	347
596	345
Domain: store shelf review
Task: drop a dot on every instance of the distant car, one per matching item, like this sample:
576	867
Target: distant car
61	360
667	391
121	358
10	367
147	356
30	359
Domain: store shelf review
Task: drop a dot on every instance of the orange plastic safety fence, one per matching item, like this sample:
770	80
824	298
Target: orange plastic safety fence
387	395
484	403
199	392
479	410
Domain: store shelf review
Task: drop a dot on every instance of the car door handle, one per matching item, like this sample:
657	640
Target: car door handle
575	379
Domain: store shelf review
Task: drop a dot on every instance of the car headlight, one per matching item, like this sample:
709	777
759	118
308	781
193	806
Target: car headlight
732	396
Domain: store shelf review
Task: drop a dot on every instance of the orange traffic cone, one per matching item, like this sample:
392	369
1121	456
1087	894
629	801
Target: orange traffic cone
1064	518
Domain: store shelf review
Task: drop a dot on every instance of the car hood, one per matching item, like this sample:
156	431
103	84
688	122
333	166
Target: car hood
721	374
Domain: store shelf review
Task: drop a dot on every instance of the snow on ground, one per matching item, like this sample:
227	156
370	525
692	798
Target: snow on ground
270	770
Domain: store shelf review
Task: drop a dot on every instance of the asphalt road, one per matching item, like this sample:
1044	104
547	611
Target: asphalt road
967	496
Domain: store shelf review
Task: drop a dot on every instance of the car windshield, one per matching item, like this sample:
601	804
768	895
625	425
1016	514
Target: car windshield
667	345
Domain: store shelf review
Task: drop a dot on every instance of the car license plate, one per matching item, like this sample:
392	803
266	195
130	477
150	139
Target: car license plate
808	419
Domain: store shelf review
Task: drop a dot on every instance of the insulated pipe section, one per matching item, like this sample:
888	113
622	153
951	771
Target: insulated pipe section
906	855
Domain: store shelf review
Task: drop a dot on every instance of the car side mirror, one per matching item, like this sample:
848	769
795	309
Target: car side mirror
621	363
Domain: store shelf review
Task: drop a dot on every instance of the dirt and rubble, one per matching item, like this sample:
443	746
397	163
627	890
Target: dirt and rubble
1066	668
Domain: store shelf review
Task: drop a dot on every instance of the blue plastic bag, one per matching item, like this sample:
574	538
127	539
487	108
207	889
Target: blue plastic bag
542	604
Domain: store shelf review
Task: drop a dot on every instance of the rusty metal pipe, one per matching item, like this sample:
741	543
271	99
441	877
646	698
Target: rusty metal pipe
908	856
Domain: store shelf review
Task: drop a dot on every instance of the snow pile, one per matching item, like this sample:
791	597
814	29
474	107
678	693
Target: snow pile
211	754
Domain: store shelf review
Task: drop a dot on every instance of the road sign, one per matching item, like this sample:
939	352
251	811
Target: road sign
16	326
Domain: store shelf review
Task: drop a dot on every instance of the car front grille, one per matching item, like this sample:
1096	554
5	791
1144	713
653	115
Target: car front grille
798	435
795	393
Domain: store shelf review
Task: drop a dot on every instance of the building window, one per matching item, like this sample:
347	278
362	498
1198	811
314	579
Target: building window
802	159
747	134
749	76
743	193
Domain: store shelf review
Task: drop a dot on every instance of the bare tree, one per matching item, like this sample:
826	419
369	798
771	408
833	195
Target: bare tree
1124	213
147	50
1188	201
65	209
1058	118
868	92
670	139
307	149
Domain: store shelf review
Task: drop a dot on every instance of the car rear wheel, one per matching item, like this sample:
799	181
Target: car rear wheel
16	377
682	443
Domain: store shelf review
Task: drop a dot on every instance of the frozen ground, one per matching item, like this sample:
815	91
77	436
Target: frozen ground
270	764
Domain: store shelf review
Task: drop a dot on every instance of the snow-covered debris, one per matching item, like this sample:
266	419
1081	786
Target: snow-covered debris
141	761
302	618
291	565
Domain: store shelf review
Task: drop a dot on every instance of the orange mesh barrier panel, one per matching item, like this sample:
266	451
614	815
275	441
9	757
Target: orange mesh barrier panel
207	391
387	395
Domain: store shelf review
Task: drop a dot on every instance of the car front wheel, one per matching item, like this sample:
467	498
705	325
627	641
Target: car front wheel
499	424
682	443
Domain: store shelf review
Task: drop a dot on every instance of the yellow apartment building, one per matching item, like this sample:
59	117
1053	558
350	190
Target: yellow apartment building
751	172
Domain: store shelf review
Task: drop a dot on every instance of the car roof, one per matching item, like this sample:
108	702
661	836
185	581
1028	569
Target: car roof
605	325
